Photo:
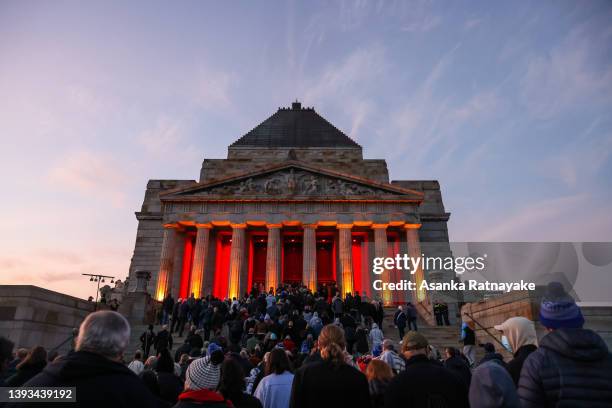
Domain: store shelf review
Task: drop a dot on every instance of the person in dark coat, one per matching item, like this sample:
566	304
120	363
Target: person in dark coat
147	339
491	354
458	365
424	382
518	337
232	385
183	317
194	338
170	386
331	382
6	354
95	368
572	366
167	306
379	375
175	315
492	387
34	362
400	320
411	313
184	348
163	340
361	343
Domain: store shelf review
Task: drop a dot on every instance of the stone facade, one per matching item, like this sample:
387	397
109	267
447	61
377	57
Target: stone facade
293	187
32	316
496	310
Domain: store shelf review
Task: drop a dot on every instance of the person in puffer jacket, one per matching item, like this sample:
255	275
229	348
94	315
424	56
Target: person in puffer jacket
572	367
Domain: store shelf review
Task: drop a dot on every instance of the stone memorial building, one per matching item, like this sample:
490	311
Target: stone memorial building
293	202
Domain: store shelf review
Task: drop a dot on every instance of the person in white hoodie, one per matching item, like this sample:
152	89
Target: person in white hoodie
376	336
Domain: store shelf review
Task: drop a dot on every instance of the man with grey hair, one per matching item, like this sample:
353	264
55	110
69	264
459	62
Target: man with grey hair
95	368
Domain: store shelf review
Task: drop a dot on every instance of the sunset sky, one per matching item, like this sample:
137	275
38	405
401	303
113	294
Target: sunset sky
507	104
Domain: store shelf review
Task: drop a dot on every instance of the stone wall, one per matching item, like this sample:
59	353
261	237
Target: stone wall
147	248
246	160
32	316
496	310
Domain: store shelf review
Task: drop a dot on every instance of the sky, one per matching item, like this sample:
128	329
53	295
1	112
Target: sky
507	104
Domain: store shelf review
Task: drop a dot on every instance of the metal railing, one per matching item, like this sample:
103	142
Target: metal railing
485	329
70	338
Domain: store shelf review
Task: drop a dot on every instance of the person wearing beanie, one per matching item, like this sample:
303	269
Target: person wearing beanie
519	338
572	366
201	381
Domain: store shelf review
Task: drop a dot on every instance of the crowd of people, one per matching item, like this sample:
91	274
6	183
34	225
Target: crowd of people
293	348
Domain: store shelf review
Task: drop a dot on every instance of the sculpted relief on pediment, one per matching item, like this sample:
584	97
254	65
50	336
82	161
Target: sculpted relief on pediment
293	182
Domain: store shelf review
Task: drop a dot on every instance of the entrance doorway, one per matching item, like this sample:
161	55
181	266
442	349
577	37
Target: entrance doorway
257	261
292	259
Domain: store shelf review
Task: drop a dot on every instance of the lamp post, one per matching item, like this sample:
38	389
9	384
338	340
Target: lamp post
98	278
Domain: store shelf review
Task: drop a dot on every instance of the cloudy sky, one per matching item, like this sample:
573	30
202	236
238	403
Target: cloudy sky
507	104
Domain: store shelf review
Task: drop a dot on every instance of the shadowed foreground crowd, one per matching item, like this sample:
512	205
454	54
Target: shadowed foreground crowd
299	350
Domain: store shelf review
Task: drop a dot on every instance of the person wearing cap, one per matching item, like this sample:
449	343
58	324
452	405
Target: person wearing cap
424	382
572	366
519	338
201	381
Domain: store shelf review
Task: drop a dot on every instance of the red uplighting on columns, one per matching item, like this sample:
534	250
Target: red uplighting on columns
186	269
220	285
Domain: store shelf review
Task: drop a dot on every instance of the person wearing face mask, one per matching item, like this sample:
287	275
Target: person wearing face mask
519	338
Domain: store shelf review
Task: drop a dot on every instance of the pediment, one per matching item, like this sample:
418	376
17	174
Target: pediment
294	181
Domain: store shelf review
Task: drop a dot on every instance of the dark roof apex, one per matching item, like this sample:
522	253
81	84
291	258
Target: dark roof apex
295	127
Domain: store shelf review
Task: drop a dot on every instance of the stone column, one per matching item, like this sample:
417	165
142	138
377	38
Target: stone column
273	257
237	252
381	251
414	251
200	257
309	257
166	262
346	258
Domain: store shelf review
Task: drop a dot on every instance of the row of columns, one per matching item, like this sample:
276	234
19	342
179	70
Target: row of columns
273	257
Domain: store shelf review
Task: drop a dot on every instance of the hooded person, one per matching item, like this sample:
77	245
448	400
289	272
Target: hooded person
572	366
201	381
492	387
376	335
519	338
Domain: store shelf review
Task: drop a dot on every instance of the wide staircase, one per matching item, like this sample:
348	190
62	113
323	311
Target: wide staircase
438	336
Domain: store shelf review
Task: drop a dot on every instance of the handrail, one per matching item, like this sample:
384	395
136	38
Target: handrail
71	337
485	329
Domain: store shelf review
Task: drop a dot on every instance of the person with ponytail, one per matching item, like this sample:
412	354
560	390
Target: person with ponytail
332	382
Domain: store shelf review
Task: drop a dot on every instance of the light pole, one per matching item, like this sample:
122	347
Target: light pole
98	278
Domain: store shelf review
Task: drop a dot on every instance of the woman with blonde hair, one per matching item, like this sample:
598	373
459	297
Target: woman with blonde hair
332	382
379	374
